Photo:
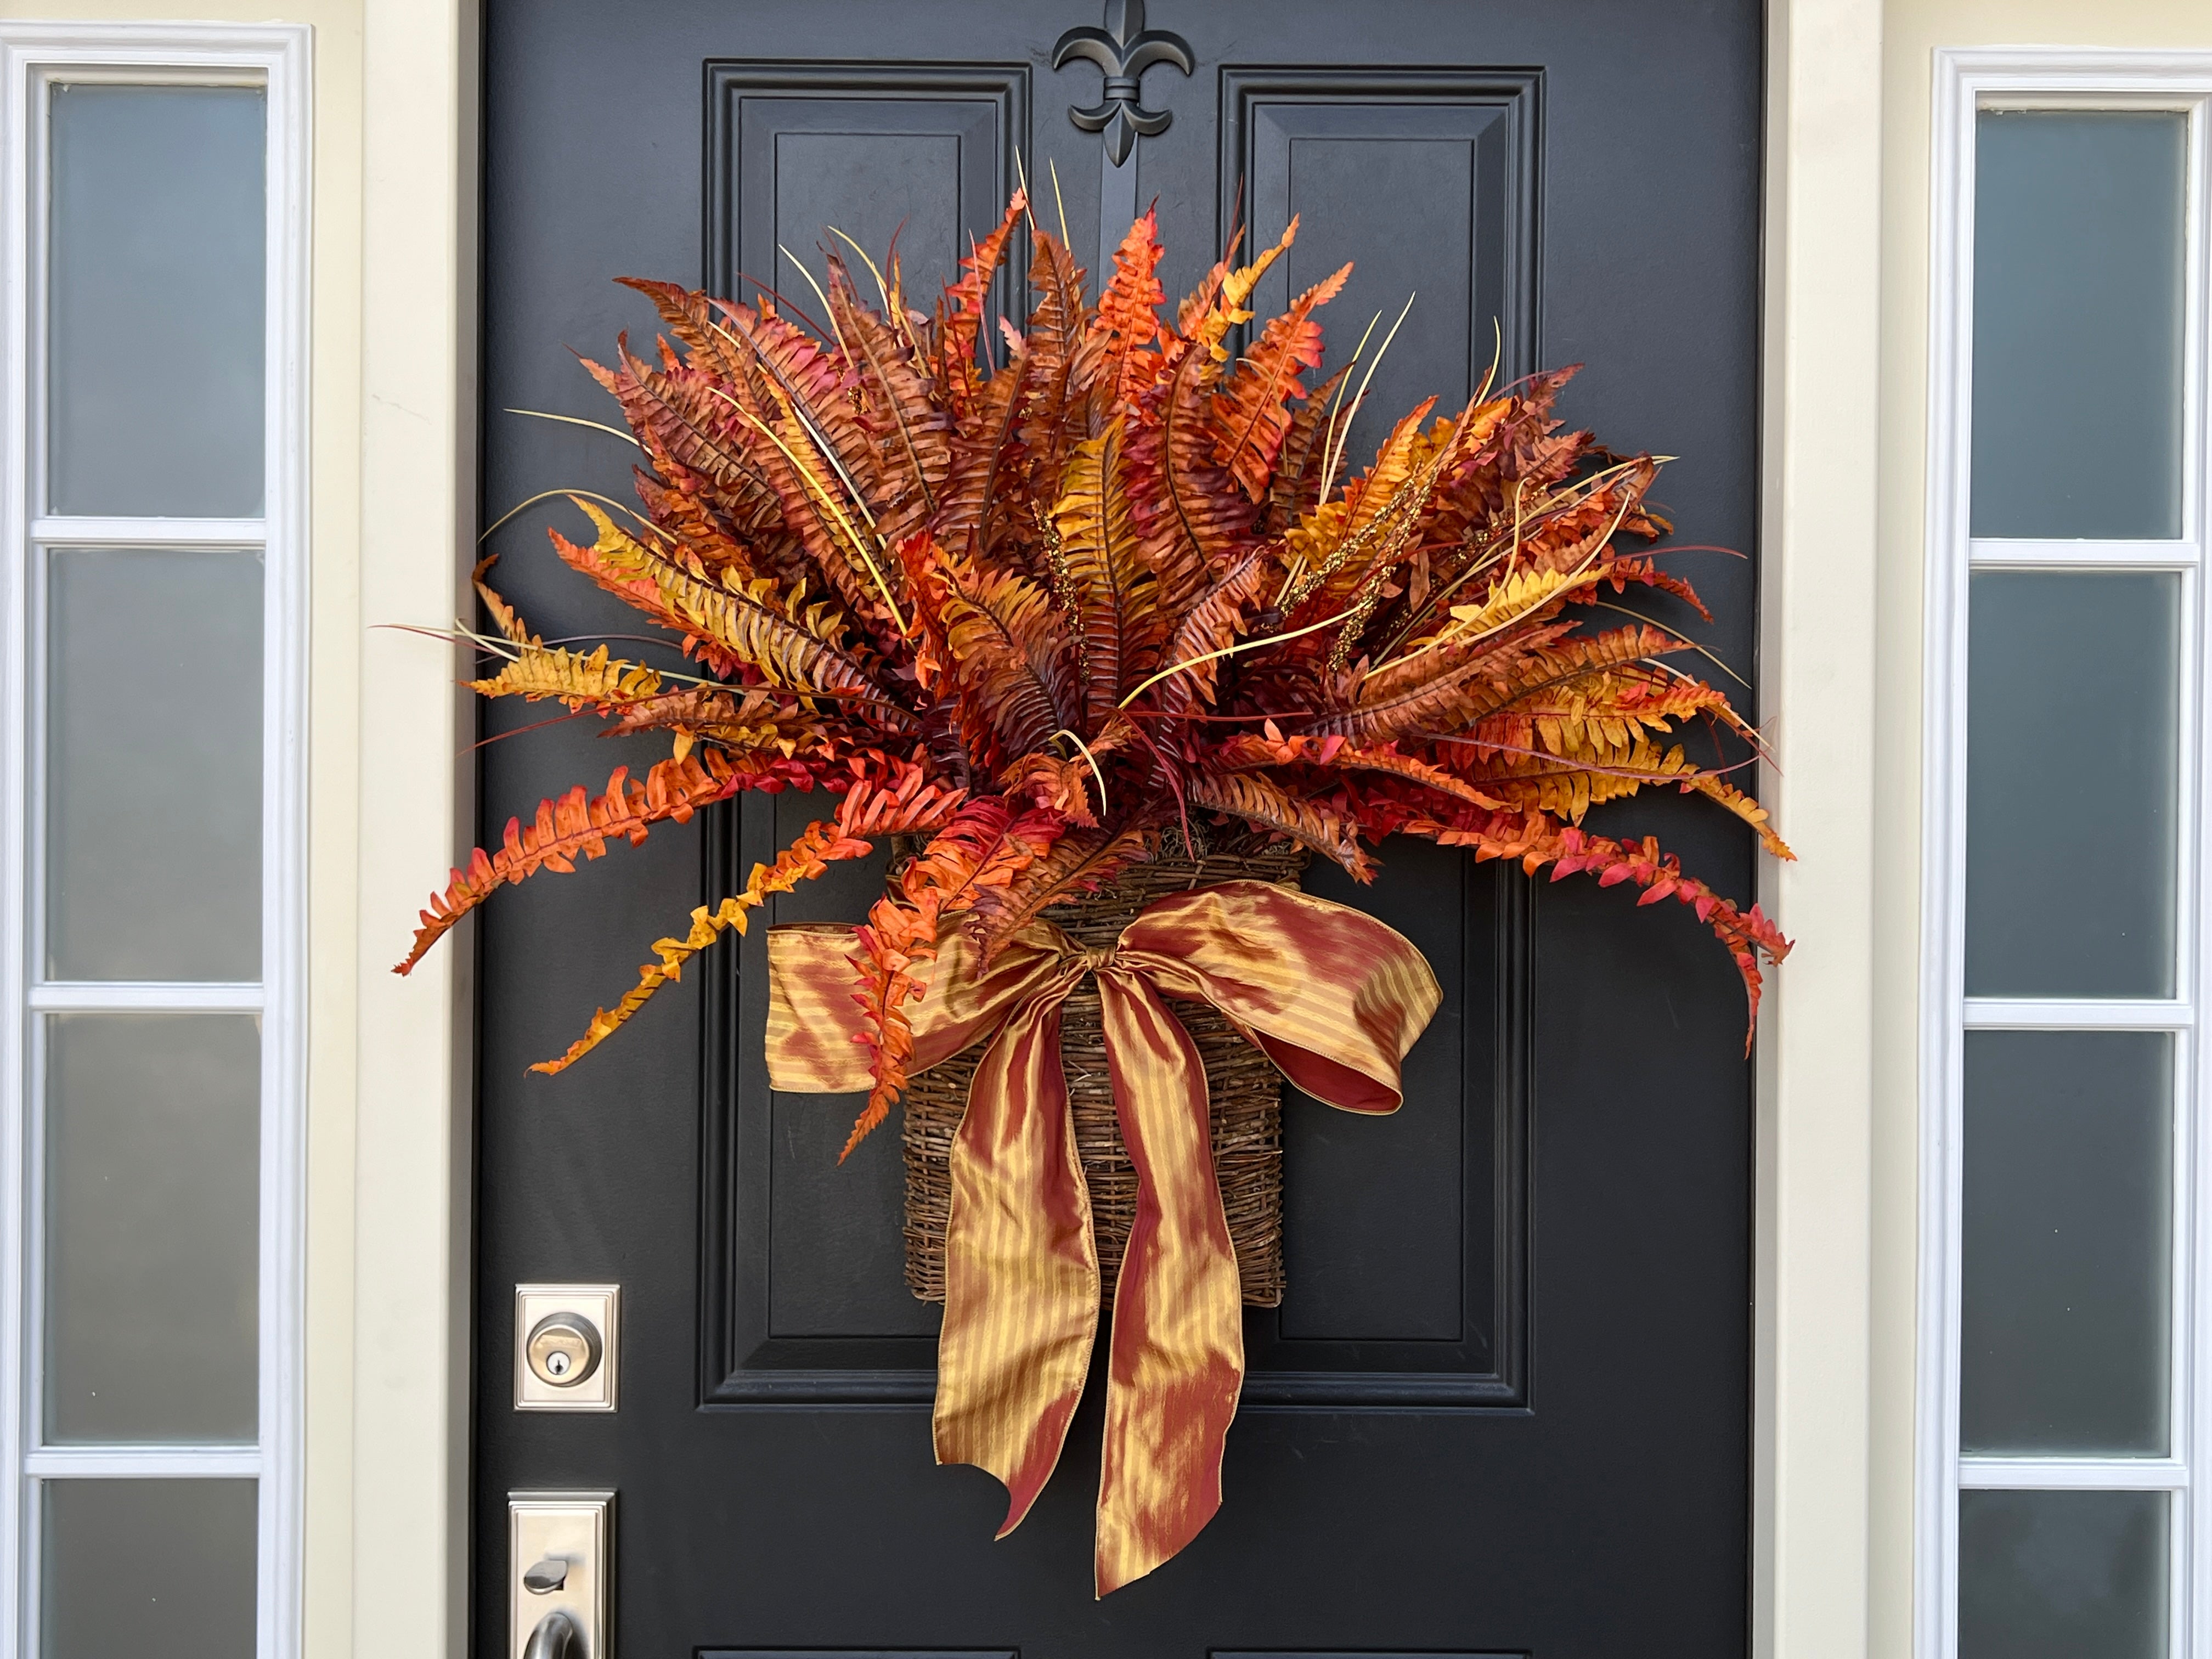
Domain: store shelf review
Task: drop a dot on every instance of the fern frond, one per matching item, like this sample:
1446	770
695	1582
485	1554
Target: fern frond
1058	786
1115	360
785	642
510	626
1535	841
1250	415
1213	623
1266	804
868	810
817	846
574	824
913	450
1051	342
980	850
1012	653
960	325
1081	861
596	681
1116	598
1192	514
1294	489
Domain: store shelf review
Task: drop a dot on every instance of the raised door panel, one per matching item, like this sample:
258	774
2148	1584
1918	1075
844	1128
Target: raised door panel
1425	181
924	153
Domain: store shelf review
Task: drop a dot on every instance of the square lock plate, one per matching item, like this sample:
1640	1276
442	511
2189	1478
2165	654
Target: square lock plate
564	1332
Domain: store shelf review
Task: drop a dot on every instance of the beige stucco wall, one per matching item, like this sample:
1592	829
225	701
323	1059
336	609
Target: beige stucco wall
1912	31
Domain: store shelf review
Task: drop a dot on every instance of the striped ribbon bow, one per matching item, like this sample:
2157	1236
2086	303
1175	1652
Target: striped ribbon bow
1333	997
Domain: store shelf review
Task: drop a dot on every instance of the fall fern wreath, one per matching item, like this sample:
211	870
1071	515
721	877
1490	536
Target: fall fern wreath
1107	638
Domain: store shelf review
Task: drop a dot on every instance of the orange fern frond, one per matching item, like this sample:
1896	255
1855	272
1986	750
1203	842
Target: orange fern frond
813	851
597	681
1250	415
1267	806
980	850
913	804
960	316
575	823
1081	861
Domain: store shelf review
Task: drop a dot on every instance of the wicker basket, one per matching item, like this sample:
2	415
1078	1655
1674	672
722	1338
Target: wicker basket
1243	1086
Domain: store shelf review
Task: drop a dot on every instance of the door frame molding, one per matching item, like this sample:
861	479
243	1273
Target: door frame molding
1814	1240
1813	1234
406	1564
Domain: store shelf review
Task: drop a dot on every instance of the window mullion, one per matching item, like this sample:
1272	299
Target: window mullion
2074	1474
1993	553
90	532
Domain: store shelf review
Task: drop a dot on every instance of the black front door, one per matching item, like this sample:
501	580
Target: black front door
1505	1406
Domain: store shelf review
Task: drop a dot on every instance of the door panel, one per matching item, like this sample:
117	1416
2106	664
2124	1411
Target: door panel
1504	1406
1363	154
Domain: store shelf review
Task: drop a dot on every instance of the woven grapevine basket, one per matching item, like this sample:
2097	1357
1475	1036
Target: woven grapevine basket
1243	1089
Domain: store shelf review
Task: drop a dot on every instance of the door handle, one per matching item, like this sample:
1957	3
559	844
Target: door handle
559	1558
554	1638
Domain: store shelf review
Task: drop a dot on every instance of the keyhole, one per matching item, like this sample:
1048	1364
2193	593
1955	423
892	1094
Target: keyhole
557	1364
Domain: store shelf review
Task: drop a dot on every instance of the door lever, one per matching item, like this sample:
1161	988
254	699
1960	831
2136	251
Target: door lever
554	1638
546	1576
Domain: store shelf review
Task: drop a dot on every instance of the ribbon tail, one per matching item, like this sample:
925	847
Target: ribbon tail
1021	1268
1177	1358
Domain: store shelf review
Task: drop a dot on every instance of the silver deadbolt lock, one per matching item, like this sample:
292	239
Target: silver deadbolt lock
563	1349
568	1339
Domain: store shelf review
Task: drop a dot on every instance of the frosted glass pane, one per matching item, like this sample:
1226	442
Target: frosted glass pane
148	1567
154	365
2062	1575
2077	323
153	766
2072	688
153	1136
2068	1236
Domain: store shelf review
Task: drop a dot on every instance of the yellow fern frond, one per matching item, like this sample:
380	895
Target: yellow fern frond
818	846
577	680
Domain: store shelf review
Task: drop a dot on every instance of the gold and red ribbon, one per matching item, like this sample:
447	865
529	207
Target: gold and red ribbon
1333	997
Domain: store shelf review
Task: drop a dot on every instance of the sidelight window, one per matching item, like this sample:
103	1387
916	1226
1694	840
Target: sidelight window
2066	1416
151	854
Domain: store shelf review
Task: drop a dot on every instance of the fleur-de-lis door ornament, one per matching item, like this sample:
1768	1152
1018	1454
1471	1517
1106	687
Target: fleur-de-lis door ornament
1123	51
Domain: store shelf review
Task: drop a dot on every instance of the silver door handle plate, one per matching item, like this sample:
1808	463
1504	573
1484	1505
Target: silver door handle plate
560	1557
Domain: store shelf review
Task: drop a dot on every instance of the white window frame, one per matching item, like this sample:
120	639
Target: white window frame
34	56
1967	81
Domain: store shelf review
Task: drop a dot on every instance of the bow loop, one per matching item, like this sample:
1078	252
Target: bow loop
1334	998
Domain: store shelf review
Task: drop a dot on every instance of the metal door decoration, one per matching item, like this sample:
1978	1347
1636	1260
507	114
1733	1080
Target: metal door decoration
1123	51
1060	584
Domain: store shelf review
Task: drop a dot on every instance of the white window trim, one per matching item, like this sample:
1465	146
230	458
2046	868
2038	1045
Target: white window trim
1966	82
278	57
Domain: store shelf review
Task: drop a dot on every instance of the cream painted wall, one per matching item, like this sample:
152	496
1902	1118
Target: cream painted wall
1912	31
392	490
332	726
